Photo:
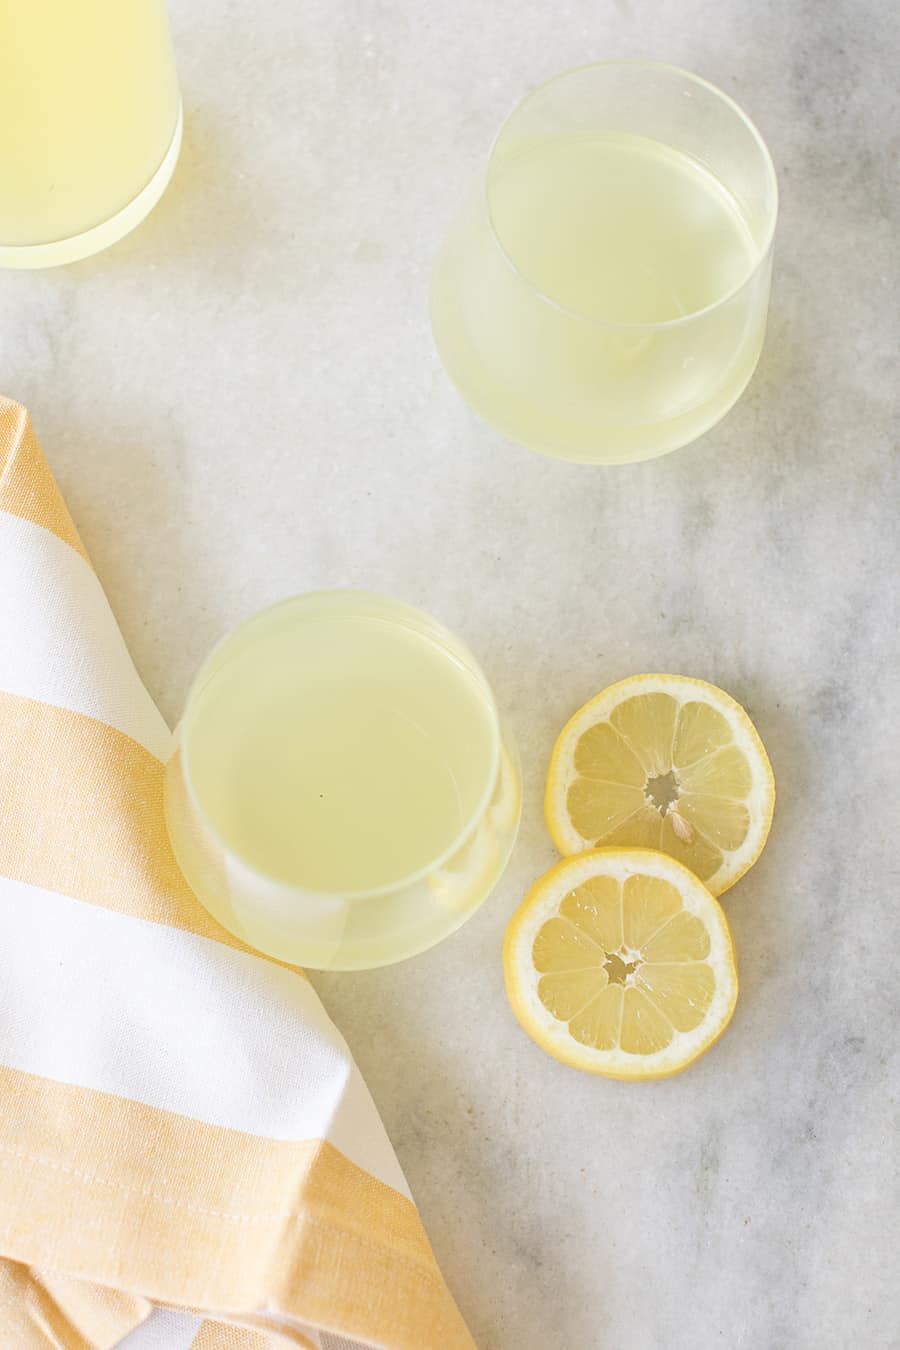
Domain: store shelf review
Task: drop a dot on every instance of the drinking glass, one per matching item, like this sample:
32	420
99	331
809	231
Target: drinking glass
341	793
602	297
90	121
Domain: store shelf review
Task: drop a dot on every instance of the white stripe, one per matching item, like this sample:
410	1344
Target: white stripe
59	642
163	1330
111	1002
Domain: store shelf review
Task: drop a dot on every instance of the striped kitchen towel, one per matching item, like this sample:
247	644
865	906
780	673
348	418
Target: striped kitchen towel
188	1154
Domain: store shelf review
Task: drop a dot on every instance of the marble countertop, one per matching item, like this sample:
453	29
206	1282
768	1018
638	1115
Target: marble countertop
242	401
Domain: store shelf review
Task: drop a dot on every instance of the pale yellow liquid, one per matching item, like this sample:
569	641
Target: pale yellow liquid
337	750
88	107
546	297
620	228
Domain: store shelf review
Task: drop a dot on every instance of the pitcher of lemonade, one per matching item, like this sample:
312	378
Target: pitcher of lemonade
90	124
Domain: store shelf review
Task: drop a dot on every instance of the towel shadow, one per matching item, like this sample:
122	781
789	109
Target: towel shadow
476	1177
141	529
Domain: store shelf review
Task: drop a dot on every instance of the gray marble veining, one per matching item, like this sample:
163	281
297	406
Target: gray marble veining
242	401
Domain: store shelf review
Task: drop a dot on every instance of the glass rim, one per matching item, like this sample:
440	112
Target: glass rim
94	239
663	324
469	826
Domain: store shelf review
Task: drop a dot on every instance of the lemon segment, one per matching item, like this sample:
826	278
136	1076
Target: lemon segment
663	762
620	962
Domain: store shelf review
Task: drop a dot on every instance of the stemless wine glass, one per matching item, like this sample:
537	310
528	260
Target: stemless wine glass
340	793
603	296
90	119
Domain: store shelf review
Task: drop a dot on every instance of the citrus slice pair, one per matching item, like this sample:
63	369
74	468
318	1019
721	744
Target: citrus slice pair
620	960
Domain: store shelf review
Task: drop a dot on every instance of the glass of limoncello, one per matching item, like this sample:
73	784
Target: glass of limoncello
341	793
90	121
602	297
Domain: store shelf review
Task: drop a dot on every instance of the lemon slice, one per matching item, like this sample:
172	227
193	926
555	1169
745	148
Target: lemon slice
619	961
663	762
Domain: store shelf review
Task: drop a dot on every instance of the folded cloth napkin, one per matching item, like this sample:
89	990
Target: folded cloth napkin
188	1154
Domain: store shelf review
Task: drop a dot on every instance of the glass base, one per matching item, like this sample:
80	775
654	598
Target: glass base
554	439
110	231
483	384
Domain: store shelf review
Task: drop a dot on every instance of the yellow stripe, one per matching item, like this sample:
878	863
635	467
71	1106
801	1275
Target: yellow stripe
226	1336
38	1311
197	1216
81	813
27	487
